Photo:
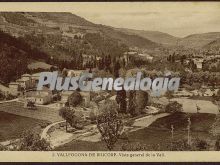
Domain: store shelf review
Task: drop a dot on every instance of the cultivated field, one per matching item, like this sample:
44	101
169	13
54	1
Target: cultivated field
12	126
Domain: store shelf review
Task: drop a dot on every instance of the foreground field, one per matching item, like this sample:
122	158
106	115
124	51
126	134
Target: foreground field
157	136
12	126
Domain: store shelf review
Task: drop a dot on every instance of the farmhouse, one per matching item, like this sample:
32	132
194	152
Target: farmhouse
74	73
14	87
42	97
25	81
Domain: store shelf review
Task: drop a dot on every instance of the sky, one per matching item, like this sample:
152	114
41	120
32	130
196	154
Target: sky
176	18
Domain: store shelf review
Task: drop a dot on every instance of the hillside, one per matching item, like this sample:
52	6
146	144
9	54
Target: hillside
199	40
214	45
191	41
64	35
14	54
155	36
130	39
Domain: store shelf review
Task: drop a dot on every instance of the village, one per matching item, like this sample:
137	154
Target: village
46	104
186	119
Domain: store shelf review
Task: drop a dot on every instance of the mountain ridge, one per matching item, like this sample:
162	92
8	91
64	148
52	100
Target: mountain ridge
155	36
60	24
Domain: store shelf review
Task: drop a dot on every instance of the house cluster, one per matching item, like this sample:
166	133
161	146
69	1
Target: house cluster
42	97
26	82
89	59
25	87
132	54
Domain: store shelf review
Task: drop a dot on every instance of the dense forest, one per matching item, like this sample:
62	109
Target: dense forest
15	54
53	49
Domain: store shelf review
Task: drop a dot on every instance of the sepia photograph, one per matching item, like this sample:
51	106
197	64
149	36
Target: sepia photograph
122	76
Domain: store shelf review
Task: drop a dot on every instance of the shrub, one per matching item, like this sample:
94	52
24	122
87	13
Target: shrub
31	141
75	99
3	148
179	145
200	145
71	117
217	144
133	147
173	107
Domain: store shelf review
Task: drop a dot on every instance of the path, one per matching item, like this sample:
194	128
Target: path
90	133
44	134
190	105
8	101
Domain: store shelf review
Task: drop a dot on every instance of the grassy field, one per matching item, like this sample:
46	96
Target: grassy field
12	126
157	136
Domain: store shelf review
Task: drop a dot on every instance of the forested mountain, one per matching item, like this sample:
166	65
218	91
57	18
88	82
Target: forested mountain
62	35
58	38
15	54
155	36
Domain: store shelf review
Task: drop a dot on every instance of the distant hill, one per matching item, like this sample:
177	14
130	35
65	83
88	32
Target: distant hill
214	45
196	41
199	40
155	36
64	35
59	17
131	39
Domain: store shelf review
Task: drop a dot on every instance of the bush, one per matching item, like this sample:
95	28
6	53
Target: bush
92	117
133	147
75	99
179	145
31	141
217	144
200	145
3	148
174	107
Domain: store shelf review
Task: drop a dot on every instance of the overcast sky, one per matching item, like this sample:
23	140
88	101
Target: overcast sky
176	18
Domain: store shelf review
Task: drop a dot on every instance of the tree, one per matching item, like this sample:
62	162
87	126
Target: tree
217	97
142	99
131	103
30	104
169	95
173	107
3	148
63	113
121	100
116	69
109	123
31	141
64	72
217	144
75	99
69	115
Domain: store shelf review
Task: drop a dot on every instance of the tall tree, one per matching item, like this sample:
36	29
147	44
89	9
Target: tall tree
109	124
121	100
